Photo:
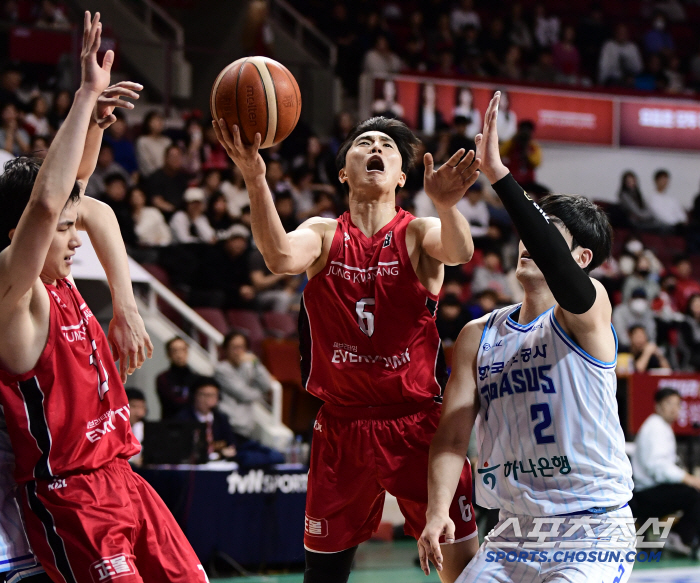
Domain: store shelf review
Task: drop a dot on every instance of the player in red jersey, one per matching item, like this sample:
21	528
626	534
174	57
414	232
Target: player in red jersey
370	347
89	518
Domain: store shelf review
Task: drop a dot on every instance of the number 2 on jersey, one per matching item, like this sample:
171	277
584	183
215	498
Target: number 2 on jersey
542	425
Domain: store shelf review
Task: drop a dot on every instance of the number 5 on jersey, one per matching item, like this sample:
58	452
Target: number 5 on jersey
365	319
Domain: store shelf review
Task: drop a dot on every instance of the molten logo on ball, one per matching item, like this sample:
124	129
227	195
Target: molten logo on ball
250	101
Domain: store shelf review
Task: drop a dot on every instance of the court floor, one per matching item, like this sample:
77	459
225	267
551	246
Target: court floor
382	562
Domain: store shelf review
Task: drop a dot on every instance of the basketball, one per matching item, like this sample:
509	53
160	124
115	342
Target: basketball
260	96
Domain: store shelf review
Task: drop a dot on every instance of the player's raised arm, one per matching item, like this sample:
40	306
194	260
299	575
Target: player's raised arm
448	449
22	262
448	239
291	253
571	286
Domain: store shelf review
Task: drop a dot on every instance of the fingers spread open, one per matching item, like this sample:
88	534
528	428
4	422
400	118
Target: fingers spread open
466	161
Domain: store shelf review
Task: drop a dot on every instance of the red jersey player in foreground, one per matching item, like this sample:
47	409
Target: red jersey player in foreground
370	347
88	516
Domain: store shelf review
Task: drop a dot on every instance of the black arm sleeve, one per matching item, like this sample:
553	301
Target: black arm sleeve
570	285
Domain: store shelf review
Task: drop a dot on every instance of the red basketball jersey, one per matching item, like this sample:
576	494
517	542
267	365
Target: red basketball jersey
367	324
70	413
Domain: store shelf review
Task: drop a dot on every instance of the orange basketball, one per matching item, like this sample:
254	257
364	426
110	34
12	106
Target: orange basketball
258	95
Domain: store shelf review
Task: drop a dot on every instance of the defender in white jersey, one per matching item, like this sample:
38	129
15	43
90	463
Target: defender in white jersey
17	561
538	379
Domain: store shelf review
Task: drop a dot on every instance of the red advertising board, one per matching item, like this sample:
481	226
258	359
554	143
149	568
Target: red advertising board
564	117
660	124
640	402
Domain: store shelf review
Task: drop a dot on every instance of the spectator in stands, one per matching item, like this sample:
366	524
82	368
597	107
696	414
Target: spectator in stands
675	78
381	59
174	385
546	27
61	106
484	303
631	251
52	16
694	68
122	147
634	312
543	71
441	38
523	155
316	159
494	44
690	332
13	138
566	57
36	120
191	144
469	53
686	284
114	195
476	211
642	277
490	276
652	77
192	225
592	33
666	208
106	166
275	292
660	486
465	107
620	59
204	408
217	215
415	49
519	32
458	135
463	15
235	192
166	186
258	37
657	40
646	355
212	153
10	84
243	381
149	223
275	177
138	410
507	121
511	68
39	146
344	122
632	203
451	318
151	145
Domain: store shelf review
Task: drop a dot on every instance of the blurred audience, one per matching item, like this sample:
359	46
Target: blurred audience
174	385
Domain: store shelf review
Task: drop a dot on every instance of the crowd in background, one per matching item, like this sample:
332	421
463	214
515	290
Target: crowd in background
648	45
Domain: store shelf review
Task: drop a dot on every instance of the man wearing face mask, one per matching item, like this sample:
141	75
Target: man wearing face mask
658	40
641	277
634	312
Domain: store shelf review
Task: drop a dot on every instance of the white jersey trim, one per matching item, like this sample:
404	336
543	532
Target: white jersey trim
580	351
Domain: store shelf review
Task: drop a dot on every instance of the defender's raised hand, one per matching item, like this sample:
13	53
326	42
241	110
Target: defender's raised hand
447	185
247	158
487	143
95	77
110	98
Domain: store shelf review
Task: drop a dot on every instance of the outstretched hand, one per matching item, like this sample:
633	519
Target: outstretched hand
447	185
247	158
110	98
487	143
95	78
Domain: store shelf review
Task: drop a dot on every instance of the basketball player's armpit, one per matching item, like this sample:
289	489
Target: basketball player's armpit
571	286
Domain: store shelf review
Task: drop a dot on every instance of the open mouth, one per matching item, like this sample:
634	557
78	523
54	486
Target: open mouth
525	256
375	164
69	259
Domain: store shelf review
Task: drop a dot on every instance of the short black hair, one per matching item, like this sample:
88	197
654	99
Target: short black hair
586	221
664	393
634	327
114	177
170	342
406	141
231	335
204	381
662	172
134	394
16	184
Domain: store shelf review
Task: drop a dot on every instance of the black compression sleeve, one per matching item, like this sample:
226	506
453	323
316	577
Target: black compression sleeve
570	285
329	567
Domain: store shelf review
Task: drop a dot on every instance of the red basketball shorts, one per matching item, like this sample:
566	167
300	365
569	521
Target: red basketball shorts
360	453
106	525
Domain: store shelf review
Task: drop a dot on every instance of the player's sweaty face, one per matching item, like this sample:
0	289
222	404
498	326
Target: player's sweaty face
63	246
374	161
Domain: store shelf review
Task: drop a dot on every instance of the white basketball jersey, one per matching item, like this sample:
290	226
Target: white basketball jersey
15	551
548	431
